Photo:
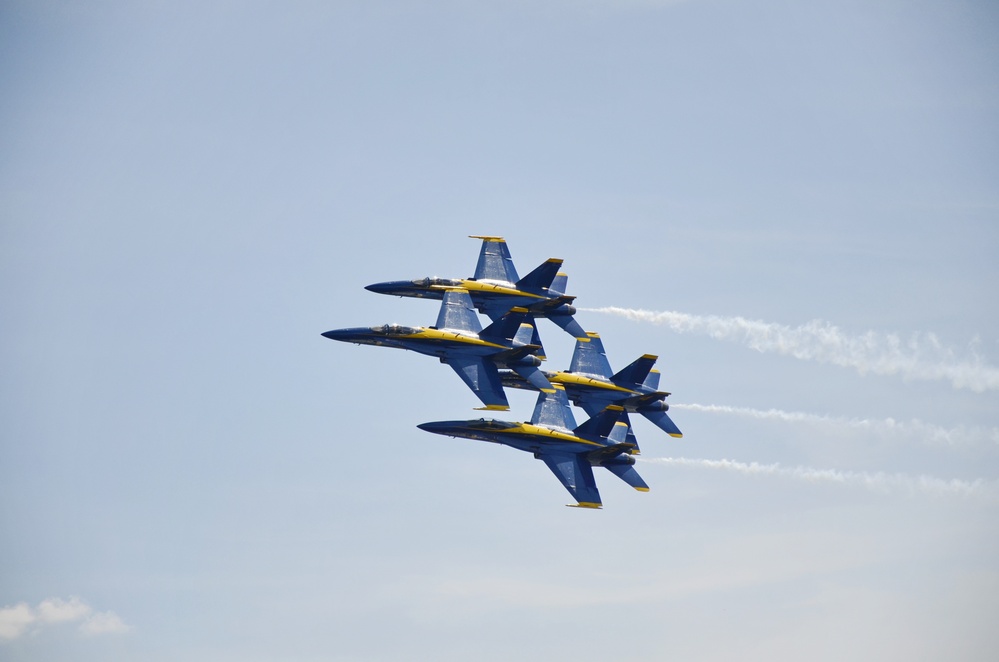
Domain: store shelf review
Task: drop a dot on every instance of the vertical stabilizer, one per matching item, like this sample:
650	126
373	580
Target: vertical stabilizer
538	281
652	381
589	357
558	284
495	262
553	409
457	312
636	372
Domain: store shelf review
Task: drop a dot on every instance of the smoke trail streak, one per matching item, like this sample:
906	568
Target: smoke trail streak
922	357
915	428
880	481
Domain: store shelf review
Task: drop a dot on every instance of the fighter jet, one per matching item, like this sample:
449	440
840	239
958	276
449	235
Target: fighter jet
591	384
496	288
459	340
570	452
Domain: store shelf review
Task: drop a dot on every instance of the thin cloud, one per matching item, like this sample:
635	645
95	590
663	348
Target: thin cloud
880	481
105	622
20	618
961	435
921	357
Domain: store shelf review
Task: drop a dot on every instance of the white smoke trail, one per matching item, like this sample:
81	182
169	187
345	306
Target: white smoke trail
921	357
880	481
961	435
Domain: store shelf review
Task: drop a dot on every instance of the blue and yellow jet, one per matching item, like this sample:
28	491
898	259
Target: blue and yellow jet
592	385
496	288
459	340
570	452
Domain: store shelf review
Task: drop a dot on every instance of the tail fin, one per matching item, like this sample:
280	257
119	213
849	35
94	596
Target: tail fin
557	286
652	381
636	372
457	312
604	425
541	278
494	262
509	326
589	357
553	409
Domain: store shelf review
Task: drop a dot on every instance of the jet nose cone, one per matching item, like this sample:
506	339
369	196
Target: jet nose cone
341	334
398	287
438	427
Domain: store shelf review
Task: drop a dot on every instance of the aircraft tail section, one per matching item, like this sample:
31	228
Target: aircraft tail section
662	420
494	262
540	279
557	286
636	372
589	356
652	380
568	324
553	409
627	473
604	425
457	312
510	326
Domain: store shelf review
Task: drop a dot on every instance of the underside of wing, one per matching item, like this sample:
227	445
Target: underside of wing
576	474
482	376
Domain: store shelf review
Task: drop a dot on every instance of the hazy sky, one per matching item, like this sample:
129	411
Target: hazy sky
793	204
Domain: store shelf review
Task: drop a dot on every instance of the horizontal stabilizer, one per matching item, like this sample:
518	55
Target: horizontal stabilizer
538	280
569	325
627	473
664	422
535	377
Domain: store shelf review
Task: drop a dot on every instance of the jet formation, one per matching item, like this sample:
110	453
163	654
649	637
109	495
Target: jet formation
508	353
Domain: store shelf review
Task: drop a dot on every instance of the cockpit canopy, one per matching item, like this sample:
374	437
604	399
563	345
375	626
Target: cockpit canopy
396	330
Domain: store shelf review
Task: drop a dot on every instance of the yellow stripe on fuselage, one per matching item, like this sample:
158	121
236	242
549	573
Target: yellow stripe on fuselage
555	435
450	336
494	288
580	380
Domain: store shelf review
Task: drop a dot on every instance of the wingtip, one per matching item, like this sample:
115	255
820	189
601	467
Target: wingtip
585	504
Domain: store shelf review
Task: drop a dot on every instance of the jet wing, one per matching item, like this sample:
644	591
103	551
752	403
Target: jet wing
574	472
482	376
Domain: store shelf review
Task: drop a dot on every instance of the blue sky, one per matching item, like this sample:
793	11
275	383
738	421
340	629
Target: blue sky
794	205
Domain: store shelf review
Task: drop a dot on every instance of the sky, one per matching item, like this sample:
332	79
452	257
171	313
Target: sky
794	205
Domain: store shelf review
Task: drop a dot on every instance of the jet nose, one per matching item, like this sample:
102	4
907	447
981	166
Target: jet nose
439	427
390	287
341	334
